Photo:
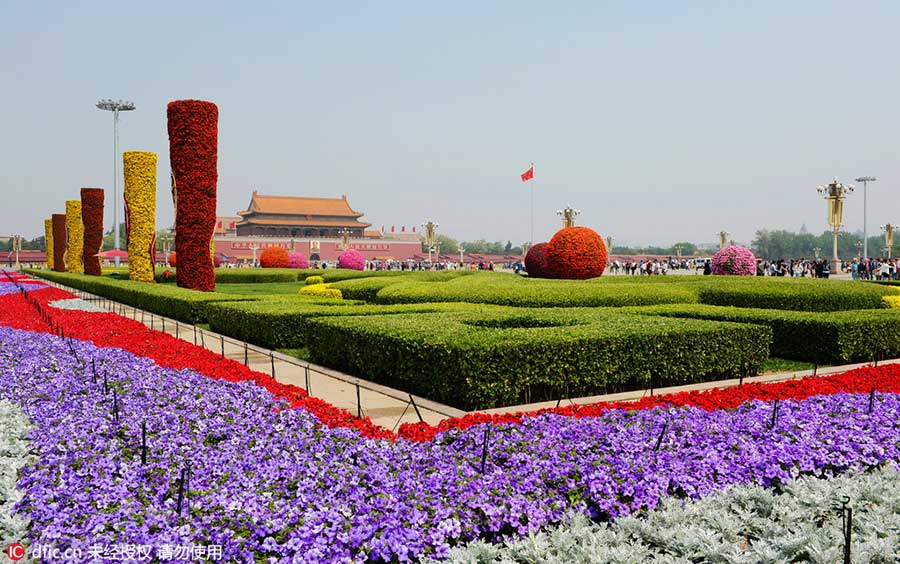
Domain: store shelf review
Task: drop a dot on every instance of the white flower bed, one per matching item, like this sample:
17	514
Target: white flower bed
14	427
76	304
745	524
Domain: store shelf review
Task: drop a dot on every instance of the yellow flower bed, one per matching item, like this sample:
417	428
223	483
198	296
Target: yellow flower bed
891	301
74	237
140	212
48	239
314	280
322	291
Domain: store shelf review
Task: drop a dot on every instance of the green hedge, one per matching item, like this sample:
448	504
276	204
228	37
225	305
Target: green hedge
511	290
367	288
283	323
482	359
185	305
825	338
256	275
791	293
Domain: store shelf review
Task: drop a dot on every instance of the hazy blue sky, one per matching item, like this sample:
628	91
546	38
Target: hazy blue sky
661	121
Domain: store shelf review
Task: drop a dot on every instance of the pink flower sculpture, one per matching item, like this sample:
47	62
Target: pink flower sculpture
734	260
352	259
297	260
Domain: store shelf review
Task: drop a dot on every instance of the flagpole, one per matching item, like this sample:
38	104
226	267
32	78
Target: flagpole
531	241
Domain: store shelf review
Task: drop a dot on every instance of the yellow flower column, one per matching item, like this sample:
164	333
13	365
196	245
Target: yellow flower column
48	239
74	236
140	213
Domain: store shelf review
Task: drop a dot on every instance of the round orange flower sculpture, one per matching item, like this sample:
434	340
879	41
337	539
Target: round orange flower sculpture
274	257
576	253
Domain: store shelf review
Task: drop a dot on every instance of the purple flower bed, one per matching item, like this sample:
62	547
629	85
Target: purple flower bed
273	483
7	288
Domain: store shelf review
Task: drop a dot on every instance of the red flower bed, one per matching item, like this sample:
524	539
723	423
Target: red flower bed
884	378
536	262
576	253
274	257
92	218
193	154
59	241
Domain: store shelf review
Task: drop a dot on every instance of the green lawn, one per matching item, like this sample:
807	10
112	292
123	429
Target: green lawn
774	365
263	288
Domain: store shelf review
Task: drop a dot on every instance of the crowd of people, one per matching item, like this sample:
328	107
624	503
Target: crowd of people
859	269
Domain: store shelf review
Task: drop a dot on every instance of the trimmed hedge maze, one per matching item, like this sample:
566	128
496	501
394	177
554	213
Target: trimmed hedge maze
481	359
481	340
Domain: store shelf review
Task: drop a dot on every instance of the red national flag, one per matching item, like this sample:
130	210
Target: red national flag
402	229
528	174
392	228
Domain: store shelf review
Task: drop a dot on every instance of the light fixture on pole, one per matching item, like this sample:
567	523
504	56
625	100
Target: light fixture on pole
430	234
17	247
461	251
609	242
865	181
678	248
859	248
115	106
568	216
817	251
834	194
723	238
888	230
345	238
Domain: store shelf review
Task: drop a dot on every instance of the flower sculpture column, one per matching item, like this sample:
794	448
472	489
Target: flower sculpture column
92	220
48	239
74	237
193	154
140	213
59	241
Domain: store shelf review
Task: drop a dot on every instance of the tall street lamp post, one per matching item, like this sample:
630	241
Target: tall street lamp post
865	181
834	194
609	242
116	106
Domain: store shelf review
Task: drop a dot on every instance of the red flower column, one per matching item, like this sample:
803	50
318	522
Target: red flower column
193	154
59	241
92	218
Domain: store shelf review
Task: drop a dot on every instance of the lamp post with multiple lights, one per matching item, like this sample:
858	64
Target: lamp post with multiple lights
430	235
723	239
888	230
345	238
568	216
116	106
865	181
17	247
834	194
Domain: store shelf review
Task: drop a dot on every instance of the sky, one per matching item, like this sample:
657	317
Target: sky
660	121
